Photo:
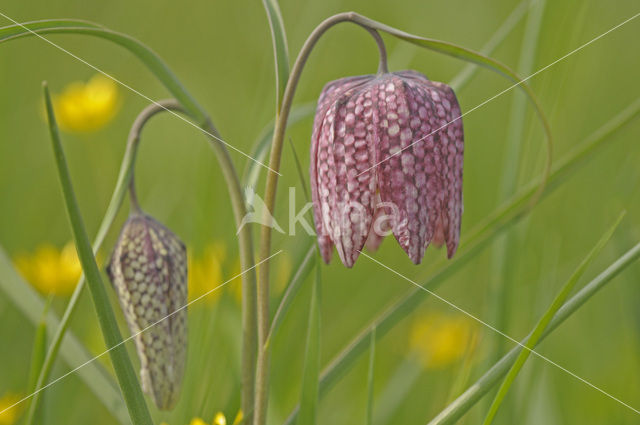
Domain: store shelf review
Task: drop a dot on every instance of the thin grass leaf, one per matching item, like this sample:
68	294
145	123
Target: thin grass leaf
302	271
544	321
152	61
72	351
38	353
262	145
309	392
117	198
303	182
280	49
39	349
454	411
505	216
500	290
372	360
127	378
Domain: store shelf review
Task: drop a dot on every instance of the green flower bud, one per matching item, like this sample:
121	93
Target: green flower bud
149	272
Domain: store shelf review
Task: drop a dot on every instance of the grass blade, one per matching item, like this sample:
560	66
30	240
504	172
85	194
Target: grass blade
309	393
500	290
466	400
544	321
302	271
152	61
252	172
37	356
280	49
72	351
127	378
498	221
372	359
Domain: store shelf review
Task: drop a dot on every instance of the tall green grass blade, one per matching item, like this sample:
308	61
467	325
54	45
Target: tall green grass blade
127	378
259	152
469	398
117	198
72	351
506	215
39	349
302	271
280	49
38	354
370	371
152	61
303	181
309	392
544	321
500	290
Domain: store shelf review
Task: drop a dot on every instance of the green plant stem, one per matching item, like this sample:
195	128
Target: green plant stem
262	368
504	216
466	400
125	373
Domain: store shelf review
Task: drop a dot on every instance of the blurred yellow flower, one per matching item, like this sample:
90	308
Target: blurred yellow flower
197	421
206	272
9	417
219	419
86	107
439	339
50	270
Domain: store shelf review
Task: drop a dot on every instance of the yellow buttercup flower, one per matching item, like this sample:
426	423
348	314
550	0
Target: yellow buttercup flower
50	270
219	419
86	107
10	416
205	272
440	340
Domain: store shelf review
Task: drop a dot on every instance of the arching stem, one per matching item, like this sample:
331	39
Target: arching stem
262	368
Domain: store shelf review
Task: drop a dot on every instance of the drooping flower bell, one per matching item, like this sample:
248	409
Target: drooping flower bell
149	271
386	155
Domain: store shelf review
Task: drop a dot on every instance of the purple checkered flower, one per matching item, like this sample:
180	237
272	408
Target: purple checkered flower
386	157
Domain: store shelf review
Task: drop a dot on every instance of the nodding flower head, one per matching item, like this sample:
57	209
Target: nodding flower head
386	157
149	272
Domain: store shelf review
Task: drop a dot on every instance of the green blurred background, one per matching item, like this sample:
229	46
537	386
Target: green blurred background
221	51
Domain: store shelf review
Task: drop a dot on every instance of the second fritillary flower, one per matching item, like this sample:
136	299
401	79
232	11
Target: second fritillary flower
149	272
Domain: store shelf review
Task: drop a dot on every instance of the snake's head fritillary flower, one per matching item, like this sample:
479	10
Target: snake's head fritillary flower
386	156
149	272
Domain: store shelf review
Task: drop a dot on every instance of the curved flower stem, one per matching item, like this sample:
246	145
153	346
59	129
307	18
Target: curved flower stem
245	239
262	371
